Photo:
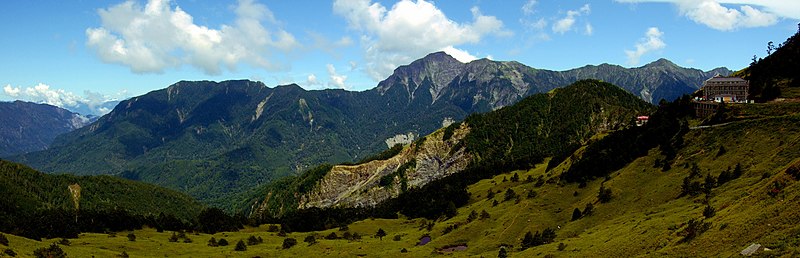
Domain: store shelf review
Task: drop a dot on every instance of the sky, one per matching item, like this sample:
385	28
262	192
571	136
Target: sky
68	53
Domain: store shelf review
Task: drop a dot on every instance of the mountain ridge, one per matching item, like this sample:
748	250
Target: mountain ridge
215	140
27	126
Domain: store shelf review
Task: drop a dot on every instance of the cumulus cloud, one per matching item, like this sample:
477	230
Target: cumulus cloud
652	41
565	24
336	80
751	13
43	93
311	80
409	30
151	38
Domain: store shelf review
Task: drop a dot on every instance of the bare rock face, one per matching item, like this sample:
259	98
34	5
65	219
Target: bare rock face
403	139
359	185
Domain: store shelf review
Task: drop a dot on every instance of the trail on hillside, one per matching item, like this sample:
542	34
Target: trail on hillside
514	220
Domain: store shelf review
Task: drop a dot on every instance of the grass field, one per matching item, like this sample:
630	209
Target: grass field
644	217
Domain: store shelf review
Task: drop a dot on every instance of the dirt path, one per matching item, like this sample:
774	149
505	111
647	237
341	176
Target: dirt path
514	220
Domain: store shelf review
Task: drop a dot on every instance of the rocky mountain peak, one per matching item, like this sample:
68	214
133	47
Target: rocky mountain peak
439	67
661	62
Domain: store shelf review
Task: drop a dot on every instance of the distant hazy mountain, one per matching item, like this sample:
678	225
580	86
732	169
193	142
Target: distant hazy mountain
26	127
94	110
216	140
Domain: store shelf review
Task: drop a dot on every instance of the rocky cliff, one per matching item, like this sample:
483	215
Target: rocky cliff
368	184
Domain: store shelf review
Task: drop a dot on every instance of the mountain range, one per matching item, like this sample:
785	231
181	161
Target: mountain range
217	140
27	127
513	137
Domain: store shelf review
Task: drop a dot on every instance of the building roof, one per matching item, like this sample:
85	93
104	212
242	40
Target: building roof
725	79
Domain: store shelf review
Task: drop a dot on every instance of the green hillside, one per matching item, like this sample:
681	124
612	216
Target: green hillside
41	205
647	213
775	76
514	137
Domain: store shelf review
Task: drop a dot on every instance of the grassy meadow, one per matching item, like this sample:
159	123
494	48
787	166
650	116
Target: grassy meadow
647	215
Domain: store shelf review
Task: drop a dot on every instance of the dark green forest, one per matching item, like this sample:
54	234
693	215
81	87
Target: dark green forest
778	69
37	205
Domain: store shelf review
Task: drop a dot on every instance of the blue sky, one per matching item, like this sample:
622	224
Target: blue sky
68	52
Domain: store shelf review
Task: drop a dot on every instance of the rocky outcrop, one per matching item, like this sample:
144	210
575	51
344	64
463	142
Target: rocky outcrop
368	184
403	139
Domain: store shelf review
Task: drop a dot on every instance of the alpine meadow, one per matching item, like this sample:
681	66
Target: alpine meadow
371	128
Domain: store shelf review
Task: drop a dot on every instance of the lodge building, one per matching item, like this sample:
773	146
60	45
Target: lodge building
719	89
726	89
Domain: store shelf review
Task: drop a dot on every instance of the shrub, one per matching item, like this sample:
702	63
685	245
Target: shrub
403	250
588	209
532	194
123	255
212	242
503	253
331	236
380	234
397	237
3	239
510	194
562	246
173	238
222	242
576	214
64	241
694	227
472	216
131	237
709	211
50	252
273	228
10	252
240	246
531	240
604	194
484	215
187	240
310	239
252	240
289	242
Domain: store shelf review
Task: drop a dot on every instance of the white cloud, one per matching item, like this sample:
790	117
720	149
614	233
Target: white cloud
311	80
336	80
458	54
589	30
528	7
152	38
713	14
565	24
409	30
652	41
43	93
